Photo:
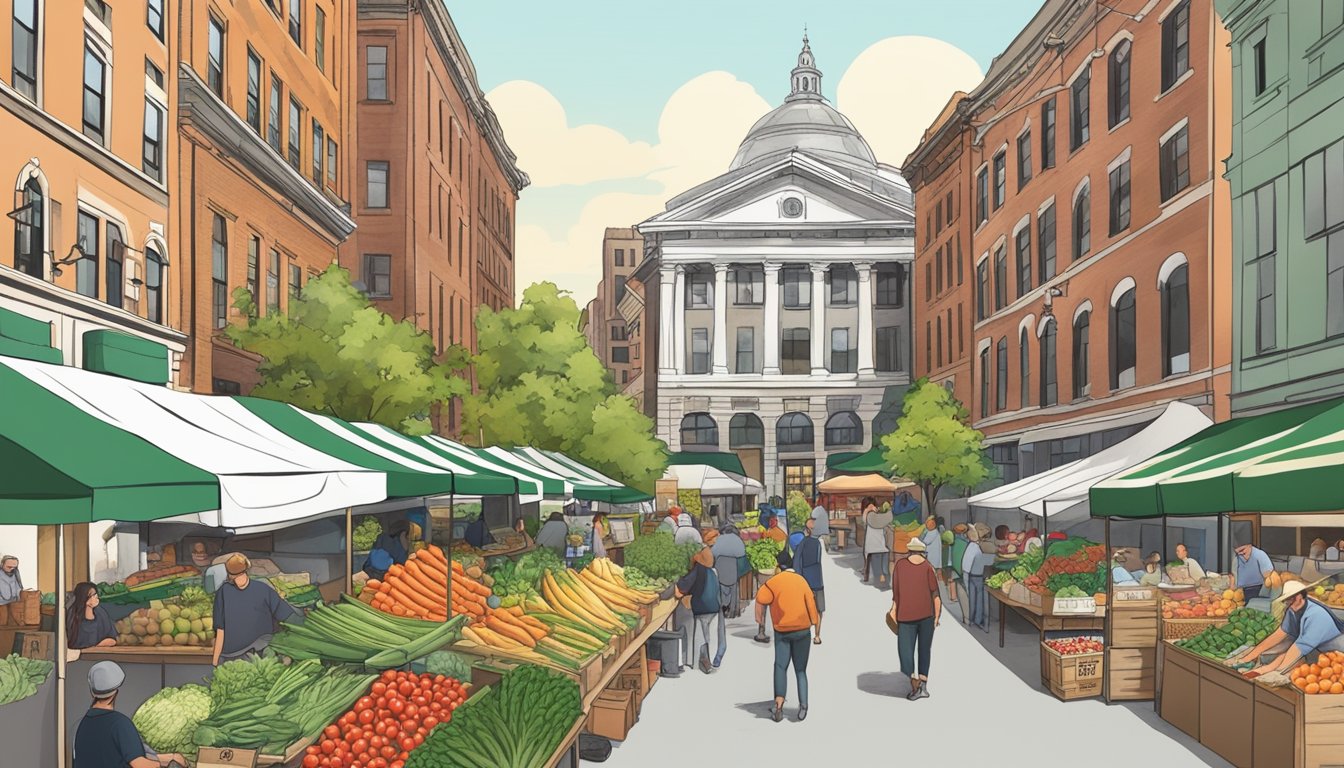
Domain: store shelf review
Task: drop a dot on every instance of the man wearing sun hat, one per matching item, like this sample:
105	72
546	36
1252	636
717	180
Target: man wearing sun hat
1308	626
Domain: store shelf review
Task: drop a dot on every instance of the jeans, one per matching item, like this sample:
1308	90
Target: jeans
914	633
728	597
701	626
977	601
685	624
723	637
877	566
792	647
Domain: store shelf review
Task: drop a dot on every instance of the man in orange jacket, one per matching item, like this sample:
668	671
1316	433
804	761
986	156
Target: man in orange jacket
793	612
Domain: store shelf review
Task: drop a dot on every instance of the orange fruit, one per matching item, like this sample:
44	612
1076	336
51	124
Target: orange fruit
1300	682
1337	687
1315	669
1312	688
1312	679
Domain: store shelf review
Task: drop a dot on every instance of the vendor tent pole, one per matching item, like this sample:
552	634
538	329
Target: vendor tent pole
1219	546
349	551
1164	544
61	643
1110	612
448	550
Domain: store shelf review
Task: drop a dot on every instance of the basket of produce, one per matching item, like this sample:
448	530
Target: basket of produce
1072	667
1325	675
1246	627
186	620
1177	629
657	555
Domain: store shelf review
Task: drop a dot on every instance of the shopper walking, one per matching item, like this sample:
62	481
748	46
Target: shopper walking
822	520
793	612
917	608
978	556
877	540
727	548
807	561
932	536
701	584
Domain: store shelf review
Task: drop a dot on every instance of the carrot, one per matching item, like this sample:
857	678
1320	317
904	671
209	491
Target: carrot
416	577
510	631
436	553
373	584
411	598
431	563
532	632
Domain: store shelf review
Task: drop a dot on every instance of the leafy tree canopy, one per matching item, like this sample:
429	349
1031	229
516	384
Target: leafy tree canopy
334	353
933	445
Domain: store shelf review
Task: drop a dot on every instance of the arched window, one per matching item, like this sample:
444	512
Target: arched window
1123	330
1082	325
1024	369
1049	384
699	430
1176	322
984	380
1082	223
794	431
844	428
1117	98
115	286
1001	374
30	232
155	271
746	431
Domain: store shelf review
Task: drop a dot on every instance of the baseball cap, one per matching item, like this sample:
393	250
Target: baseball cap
105	678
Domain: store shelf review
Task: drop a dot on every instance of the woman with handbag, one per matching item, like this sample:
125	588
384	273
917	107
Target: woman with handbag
877	540
916	608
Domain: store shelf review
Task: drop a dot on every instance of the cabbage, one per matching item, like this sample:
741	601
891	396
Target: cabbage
167	721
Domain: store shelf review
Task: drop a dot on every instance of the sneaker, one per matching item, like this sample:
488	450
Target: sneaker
923	692
913	695
802	714
761	638
778	714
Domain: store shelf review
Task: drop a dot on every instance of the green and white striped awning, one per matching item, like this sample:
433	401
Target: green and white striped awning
589	484
1281	462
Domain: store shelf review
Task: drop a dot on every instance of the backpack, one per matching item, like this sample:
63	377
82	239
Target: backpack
706	590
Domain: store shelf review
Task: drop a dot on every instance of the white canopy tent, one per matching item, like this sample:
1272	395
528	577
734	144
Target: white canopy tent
711	481
1060	494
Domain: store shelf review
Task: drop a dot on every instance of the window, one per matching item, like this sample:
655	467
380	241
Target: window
938	270
620	288
1049	384
295	133
844	428
273	124
928	346
1045	242
797	287
960	262
620	355
1023	159
844	356
1334	284
961	331
114	275
331	161
947	251
746	350
1000	178
619	333
30	232
699	290
794	431
226	387
1258	62
749	285
1082	224
376	193
891	286
982	196
253	91
938	340
1001	375
375	73
1266	251
1323	193
1120	198
1024	370
253	270
1332	15
889	349
154	269
95	83
1123	340
1000	278
1176	322
377	275
1048	134
272	282
745	430
928	283
620	257
296	21
295	282
86	270
796	353
938	217
154	17
319	137
153	141
1175	171
699	350
1117	98
982	290
984	382
844	286
1082	326
320	39
947	206
1079	104
214	66
219	271
700	430
25	47
1023	248
1175	45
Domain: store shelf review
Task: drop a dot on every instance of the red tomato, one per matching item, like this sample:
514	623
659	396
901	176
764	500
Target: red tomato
379	688
312	750
419	737
397	706
407	744
382	702
328	746
360	746
366	716
408	726
421	700
454	705
377	762
406	688
376	742
440	679
430	722
364	703
412	711
389	675
310	761
397	764
331	732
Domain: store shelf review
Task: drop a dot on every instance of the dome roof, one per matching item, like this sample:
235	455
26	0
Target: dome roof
807	123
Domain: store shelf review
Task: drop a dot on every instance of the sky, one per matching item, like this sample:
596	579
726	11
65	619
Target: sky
615	106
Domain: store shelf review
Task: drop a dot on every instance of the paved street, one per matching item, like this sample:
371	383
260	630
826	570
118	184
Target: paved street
857	706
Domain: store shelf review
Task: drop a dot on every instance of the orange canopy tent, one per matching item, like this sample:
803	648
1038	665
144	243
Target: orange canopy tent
853	485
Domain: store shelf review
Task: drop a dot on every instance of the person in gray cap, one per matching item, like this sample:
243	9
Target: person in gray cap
106	738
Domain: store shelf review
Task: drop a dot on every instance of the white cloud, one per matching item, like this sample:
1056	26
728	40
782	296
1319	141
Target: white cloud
891	92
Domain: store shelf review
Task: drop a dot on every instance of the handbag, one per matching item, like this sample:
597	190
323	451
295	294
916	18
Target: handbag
891	624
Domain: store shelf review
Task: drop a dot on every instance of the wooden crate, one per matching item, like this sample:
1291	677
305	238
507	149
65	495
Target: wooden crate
1274	740
1323	731
1226	708
1133	624
1077	676
1180	629
1180	702
1130	673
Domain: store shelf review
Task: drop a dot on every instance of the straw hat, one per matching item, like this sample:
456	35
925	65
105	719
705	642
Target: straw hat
1292	589
916	545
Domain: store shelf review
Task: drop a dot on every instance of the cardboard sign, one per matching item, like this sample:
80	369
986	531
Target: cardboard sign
213	757
35	645
665	492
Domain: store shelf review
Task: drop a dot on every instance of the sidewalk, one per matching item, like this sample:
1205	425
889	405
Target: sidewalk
857	709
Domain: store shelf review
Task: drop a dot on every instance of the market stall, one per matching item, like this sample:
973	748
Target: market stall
843	496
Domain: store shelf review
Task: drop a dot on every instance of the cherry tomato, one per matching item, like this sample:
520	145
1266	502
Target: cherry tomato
419	738
430	722
360	746
382	702
379	688
331	732
412	711
389	675
397	764
366	716
407	744
376	742
364	703
377	762
397	706
328	746
405	687
421	700
388	752
454	705
310	760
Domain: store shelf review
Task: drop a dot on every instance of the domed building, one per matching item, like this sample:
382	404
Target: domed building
778	298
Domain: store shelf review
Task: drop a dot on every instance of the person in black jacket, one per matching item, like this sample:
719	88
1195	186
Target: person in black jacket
701	583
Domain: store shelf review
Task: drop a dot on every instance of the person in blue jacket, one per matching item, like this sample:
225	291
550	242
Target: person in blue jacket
807	562
393	547
1308	627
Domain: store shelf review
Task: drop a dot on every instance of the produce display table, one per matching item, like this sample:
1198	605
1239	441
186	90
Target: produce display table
843	531
139	654
1249	724
1044	622
659	615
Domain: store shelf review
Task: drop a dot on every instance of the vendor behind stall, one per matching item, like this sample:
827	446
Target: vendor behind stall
87	621
106	738
478	533
553	534
1308	626
392	547
246	612
1252	566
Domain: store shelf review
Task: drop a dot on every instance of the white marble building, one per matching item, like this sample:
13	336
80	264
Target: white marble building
780	294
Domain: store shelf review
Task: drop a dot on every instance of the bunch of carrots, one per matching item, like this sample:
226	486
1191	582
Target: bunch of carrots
510	623
419	589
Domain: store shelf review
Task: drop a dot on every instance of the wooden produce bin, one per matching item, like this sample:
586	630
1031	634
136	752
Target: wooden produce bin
1076	676
1131	651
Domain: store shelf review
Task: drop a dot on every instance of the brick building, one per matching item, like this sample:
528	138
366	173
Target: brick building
612	338
1086	188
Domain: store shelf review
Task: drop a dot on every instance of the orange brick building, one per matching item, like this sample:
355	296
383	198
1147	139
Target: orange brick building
1085	181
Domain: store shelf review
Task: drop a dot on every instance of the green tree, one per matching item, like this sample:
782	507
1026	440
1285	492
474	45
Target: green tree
933	445
540	384
334	353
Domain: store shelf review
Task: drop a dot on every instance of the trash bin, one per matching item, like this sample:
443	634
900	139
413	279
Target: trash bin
665	647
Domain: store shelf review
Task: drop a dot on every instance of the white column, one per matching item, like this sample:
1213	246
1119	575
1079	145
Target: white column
865	330
771	322
818	319
679	321
666	322
720	319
